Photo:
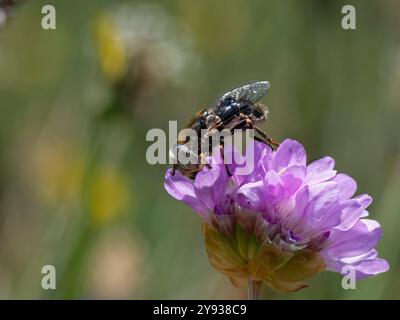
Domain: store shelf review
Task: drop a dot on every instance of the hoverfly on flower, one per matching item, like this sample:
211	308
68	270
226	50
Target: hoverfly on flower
284	221
237	109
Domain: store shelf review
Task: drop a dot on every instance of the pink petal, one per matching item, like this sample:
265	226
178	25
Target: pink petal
181	188
321	170
290	153
361	238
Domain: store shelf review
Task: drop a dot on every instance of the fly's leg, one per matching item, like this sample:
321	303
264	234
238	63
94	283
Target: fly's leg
223	159
267	138
246	123
261	140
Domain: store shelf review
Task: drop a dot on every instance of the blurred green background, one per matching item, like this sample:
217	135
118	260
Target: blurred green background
76	103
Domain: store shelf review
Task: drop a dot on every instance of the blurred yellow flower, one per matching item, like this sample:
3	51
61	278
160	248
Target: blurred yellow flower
59	170
108	194
111	49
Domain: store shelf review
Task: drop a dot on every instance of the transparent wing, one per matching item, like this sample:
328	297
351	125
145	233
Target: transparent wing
252	91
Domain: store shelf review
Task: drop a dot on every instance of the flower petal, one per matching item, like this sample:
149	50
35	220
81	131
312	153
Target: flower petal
321	170
210	185
293	178
361	238
346	184
367	268
251	196
181	188
274	187
245	168
364	266
290	153
323	197
352	210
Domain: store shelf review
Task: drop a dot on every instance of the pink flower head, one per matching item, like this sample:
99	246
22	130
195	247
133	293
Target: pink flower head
300	207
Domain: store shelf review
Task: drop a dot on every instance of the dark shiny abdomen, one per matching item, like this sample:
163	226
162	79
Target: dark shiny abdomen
229	108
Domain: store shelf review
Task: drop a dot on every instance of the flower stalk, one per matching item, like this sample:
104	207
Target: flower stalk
253	289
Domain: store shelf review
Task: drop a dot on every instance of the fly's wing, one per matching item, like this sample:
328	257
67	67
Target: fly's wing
251	92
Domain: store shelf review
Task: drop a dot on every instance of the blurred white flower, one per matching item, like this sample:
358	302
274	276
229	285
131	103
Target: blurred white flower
3	17
151	41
